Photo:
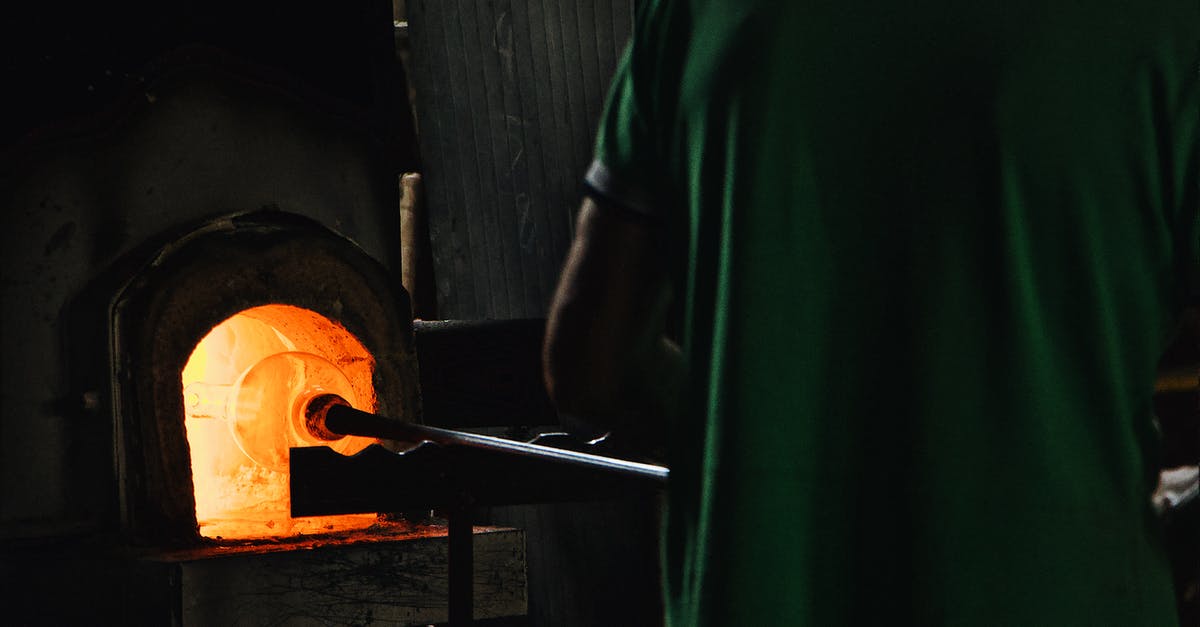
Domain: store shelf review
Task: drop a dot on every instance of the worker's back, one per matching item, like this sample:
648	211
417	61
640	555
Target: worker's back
934	252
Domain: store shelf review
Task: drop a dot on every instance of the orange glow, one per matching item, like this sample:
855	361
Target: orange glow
244	391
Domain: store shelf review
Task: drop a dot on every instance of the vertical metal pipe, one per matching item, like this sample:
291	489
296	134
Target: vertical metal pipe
416	264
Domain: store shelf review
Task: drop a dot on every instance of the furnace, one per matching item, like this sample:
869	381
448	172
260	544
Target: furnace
245	387
219	344
184	266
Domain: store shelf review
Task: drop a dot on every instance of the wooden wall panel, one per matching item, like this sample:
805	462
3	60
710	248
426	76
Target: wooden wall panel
508	94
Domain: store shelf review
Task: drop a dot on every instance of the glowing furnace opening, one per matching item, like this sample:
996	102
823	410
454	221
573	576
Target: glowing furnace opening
245	388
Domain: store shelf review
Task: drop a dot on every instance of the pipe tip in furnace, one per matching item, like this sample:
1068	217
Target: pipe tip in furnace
316	413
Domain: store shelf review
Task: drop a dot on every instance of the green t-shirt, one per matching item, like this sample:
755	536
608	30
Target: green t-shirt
931	255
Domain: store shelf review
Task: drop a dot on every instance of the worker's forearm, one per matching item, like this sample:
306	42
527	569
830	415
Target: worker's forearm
605	357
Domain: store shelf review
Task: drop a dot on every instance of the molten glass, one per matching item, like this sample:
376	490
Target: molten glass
245	388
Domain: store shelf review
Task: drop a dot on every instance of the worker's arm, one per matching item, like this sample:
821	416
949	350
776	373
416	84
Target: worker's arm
605	358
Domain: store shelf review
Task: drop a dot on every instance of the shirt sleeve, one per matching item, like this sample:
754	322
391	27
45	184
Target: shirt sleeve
630	167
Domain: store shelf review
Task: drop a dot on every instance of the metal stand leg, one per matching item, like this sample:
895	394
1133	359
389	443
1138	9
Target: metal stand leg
462	567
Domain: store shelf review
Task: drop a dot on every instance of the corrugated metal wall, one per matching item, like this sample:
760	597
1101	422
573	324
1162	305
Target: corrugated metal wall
508	96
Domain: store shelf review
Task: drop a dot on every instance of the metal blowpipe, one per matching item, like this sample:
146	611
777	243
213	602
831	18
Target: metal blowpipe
329	415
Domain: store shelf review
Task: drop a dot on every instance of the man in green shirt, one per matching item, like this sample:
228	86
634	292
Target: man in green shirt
930	255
